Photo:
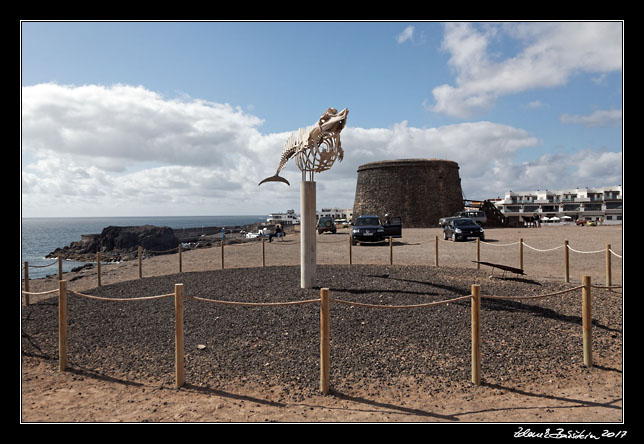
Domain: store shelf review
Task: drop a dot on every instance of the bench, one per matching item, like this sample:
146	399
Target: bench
502	267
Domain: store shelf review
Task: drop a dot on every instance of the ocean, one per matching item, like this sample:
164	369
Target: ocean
41	236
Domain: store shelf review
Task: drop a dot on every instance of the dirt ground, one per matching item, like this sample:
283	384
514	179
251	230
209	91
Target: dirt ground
592	395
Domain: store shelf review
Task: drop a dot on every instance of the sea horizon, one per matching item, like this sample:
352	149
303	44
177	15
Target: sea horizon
40	236
137	217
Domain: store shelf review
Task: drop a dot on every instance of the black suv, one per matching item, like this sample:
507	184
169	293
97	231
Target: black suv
367	229
462	228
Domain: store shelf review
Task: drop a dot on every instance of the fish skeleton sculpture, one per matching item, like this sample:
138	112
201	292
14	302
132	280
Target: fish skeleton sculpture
316	147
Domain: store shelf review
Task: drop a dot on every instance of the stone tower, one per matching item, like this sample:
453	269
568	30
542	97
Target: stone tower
420	191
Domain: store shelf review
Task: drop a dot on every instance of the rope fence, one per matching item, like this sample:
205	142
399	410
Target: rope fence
429	304
100	298
33	293
254	304
324	301
282	244
25	268
40	266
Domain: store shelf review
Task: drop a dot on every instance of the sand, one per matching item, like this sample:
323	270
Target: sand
584	395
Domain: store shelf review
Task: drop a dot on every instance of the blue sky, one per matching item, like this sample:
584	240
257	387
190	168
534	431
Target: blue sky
185	118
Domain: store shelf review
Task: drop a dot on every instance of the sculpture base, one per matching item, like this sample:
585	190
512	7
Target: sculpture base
308	241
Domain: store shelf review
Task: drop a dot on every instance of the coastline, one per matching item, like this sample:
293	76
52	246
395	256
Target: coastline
43	235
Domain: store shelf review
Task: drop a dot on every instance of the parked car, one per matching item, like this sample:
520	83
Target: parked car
462	228
392	226
444	220
477	216
369	228
341	223
326	223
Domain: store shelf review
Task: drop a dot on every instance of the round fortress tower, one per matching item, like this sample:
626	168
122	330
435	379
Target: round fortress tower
420	191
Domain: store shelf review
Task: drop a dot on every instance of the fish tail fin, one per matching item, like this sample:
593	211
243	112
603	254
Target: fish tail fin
275	178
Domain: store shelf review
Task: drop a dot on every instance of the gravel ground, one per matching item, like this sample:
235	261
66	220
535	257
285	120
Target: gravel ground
134	340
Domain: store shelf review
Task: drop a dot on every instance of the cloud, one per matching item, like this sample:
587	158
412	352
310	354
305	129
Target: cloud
551	53
122	124
597	168
536	104
585	168
611	118
405	35
123	150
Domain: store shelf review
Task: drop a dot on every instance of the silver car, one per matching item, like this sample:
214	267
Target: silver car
477	216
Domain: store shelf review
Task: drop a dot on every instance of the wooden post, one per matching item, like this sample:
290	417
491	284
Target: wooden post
609	271
391	251
222	254
436	252
478	253
26	282
178	336
476	334
180	262
350	250
98	267
521	253
62	325
140	262
324	341
263	253
566	263
60	268
587	321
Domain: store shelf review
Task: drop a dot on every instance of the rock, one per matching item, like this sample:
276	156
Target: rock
82	267
120	243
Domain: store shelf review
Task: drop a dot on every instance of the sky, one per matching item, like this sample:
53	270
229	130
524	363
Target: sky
185	118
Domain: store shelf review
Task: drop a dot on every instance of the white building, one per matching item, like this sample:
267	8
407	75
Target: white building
597	204
336	213
288	218
291	218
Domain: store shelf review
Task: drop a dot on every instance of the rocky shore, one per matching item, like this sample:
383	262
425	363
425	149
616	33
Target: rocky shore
118	243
